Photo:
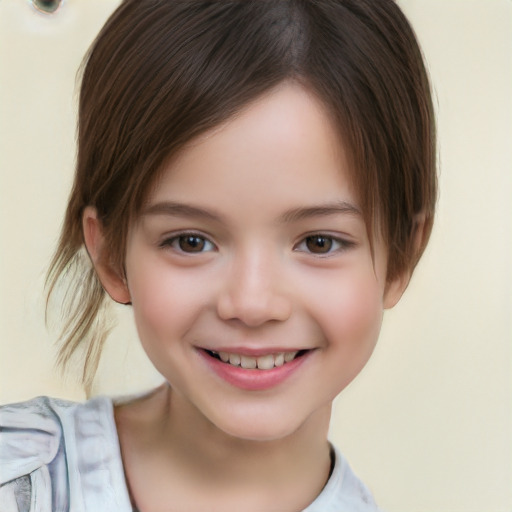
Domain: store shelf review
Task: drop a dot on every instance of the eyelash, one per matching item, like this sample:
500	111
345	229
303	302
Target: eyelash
334	244
174	242
330	243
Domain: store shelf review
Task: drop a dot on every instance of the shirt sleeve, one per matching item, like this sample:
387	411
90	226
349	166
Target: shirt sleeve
30	437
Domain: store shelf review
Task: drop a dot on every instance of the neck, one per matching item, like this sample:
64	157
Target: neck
180	441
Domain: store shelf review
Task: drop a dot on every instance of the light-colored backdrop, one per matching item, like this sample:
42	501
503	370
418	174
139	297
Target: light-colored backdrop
428	424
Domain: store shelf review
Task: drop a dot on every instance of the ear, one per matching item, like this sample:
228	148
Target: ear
112	281
395	288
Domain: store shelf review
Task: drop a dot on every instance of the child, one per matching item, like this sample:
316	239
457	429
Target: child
256	179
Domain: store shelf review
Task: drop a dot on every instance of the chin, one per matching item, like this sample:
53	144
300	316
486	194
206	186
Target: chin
262	428
260	434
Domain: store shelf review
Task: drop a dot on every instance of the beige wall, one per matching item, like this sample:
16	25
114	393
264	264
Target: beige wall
428	425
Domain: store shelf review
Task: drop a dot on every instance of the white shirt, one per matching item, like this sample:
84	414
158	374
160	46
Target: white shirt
59	456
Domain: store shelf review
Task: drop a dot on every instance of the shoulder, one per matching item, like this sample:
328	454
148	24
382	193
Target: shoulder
32	432
343	491
30	435
56	448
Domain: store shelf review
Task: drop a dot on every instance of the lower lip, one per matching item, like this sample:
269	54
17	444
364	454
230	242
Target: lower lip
254	380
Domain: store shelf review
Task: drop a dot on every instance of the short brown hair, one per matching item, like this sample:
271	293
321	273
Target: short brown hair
162	72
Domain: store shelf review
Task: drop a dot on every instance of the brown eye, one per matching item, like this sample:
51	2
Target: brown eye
191	243
319	244
188	243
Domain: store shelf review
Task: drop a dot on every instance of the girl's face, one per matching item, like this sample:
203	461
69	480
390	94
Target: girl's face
252	252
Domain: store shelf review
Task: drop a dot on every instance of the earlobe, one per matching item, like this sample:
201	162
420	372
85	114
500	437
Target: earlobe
113	283
395	289
397	286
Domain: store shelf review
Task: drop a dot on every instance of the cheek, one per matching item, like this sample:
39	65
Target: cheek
162	303
352	316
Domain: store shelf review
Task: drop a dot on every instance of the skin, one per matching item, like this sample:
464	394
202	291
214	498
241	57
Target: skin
279	260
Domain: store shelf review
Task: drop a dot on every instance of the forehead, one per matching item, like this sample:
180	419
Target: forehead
284	143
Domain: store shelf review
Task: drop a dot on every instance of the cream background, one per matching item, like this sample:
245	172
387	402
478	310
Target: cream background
428	425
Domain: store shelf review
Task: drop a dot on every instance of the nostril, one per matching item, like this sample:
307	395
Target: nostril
47	6
253	312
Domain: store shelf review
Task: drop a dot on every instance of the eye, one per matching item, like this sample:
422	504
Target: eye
322	244
190	243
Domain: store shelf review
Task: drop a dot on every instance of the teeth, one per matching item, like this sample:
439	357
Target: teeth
248	362
266	362
234	359
289	356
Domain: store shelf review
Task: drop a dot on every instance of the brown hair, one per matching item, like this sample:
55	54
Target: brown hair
162	72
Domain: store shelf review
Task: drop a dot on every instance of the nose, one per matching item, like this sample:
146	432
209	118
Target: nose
254	292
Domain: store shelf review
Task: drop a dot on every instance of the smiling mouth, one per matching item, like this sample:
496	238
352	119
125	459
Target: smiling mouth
264	362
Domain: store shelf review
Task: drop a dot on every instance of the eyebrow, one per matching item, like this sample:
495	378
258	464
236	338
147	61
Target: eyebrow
181	210
337	208
176	209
